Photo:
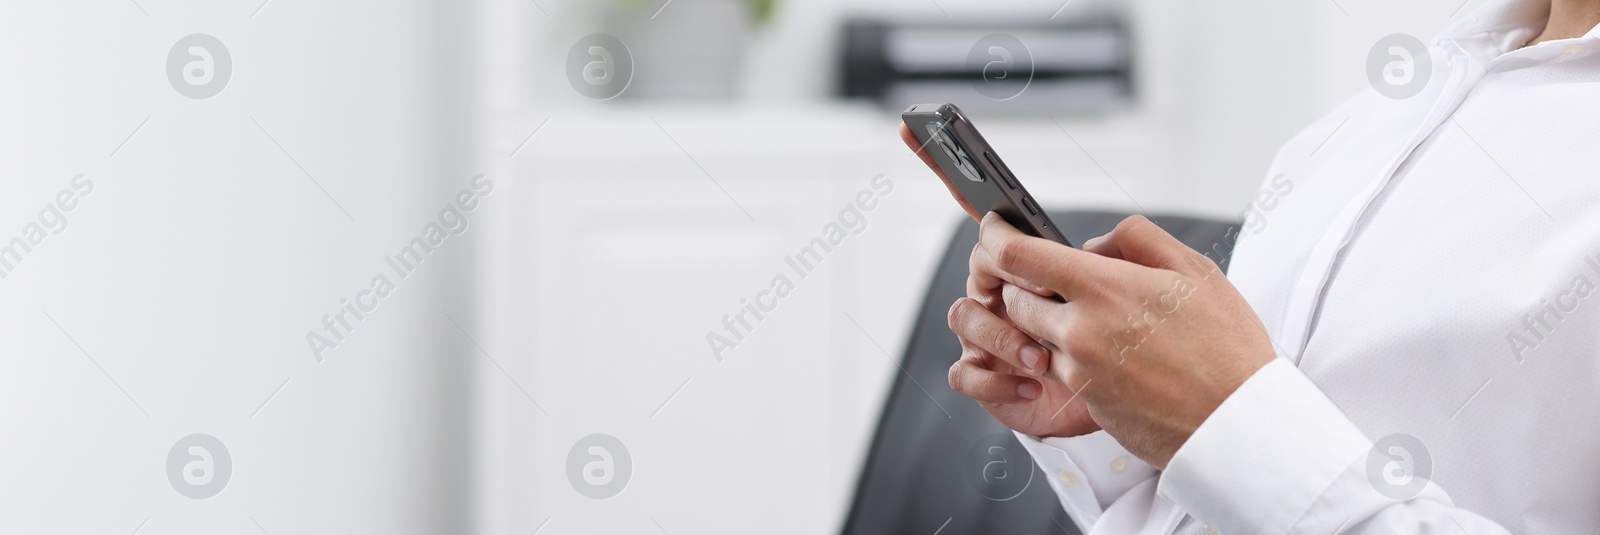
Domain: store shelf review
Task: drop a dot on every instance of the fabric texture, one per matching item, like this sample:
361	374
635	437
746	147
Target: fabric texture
1427	271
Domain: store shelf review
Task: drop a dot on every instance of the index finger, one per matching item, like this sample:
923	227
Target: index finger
1066	271
985	278
922	152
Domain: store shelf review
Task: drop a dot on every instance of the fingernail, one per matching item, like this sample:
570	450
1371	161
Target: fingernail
1031	356
1028	390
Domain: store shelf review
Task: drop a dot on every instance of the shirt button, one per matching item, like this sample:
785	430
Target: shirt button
1119	464
1573	49
1067	478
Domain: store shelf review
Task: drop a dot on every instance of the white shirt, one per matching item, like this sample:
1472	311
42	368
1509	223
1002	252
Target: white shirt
1430	272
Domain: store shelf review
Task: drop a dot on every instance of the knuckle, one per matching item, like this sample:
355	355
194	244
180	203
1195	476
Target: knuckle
957	315
1202	264
1078	343
1128	228
965	379
1008	341
999	342
1007	254
1132	223
1077	347
989	300
1011	296
975	260
1091	290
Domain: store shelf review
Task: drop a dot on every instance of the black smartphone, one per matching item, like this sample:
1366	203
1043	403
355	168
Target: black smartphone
975	170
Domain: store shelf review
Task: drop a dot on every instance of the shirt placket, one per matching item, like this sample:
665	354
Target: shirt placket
1307	293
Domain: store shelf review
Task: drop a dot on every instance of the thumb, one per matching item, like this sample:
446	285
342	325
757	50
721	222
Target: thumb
1097	245
1138	240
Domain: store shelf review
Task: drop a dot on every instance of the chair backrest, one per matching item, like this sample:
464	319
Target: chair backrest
939	463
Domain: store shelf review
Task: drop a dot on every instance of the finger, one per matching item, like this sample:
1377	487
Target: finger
1098	245
1052	323
991	362
988	362
989	298
1067	271
985	276
1138	240
971	380
927	158
982	283
1030	315
976	325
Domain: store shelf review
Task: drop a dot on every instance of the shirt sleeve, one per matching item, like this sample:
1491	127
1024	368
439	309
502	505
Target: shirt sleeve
1279	457
1088	473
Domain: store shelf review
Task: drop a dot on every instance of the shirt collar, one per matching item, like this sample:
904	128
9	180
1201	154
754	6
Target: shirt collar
1496	28
1501	16
1499	30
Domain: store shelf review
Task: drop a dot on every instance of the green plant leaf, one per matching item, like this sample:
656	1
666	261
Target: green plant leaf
763	9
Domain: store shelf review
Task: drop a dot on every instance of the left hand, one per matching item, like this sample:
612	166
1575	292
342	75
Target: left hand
921	149
1148	332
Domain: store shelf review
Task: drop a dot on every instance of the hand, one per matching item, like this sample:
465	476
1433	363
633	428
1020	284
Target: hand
1005	370
992	371
922	152
1147	331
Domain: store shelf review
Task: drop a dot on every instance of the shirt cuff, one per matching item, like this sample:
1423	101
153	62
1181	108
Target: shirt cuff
1260	461
1087	472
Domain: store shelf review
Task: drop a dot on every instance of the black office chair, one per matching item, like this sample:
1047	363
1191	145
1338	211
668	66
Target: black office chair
939	463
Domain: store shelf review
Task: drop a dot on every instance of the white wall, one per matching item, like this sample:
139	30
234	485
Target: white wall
192	272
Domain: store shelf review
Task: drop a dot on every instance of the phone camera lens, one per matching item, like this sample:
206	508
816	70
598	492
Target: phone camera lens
957	156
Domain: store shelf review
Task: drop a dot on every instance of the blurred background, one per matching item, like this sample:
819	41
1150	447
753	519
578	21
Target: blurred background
390	267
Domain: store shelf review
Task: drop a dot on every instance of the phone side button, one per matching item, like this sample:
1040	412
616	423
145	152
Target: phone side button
1033	209
999	169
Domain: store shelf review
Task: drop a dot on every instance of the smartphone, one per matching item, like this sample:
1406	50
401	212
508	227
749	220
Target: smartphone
975	170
